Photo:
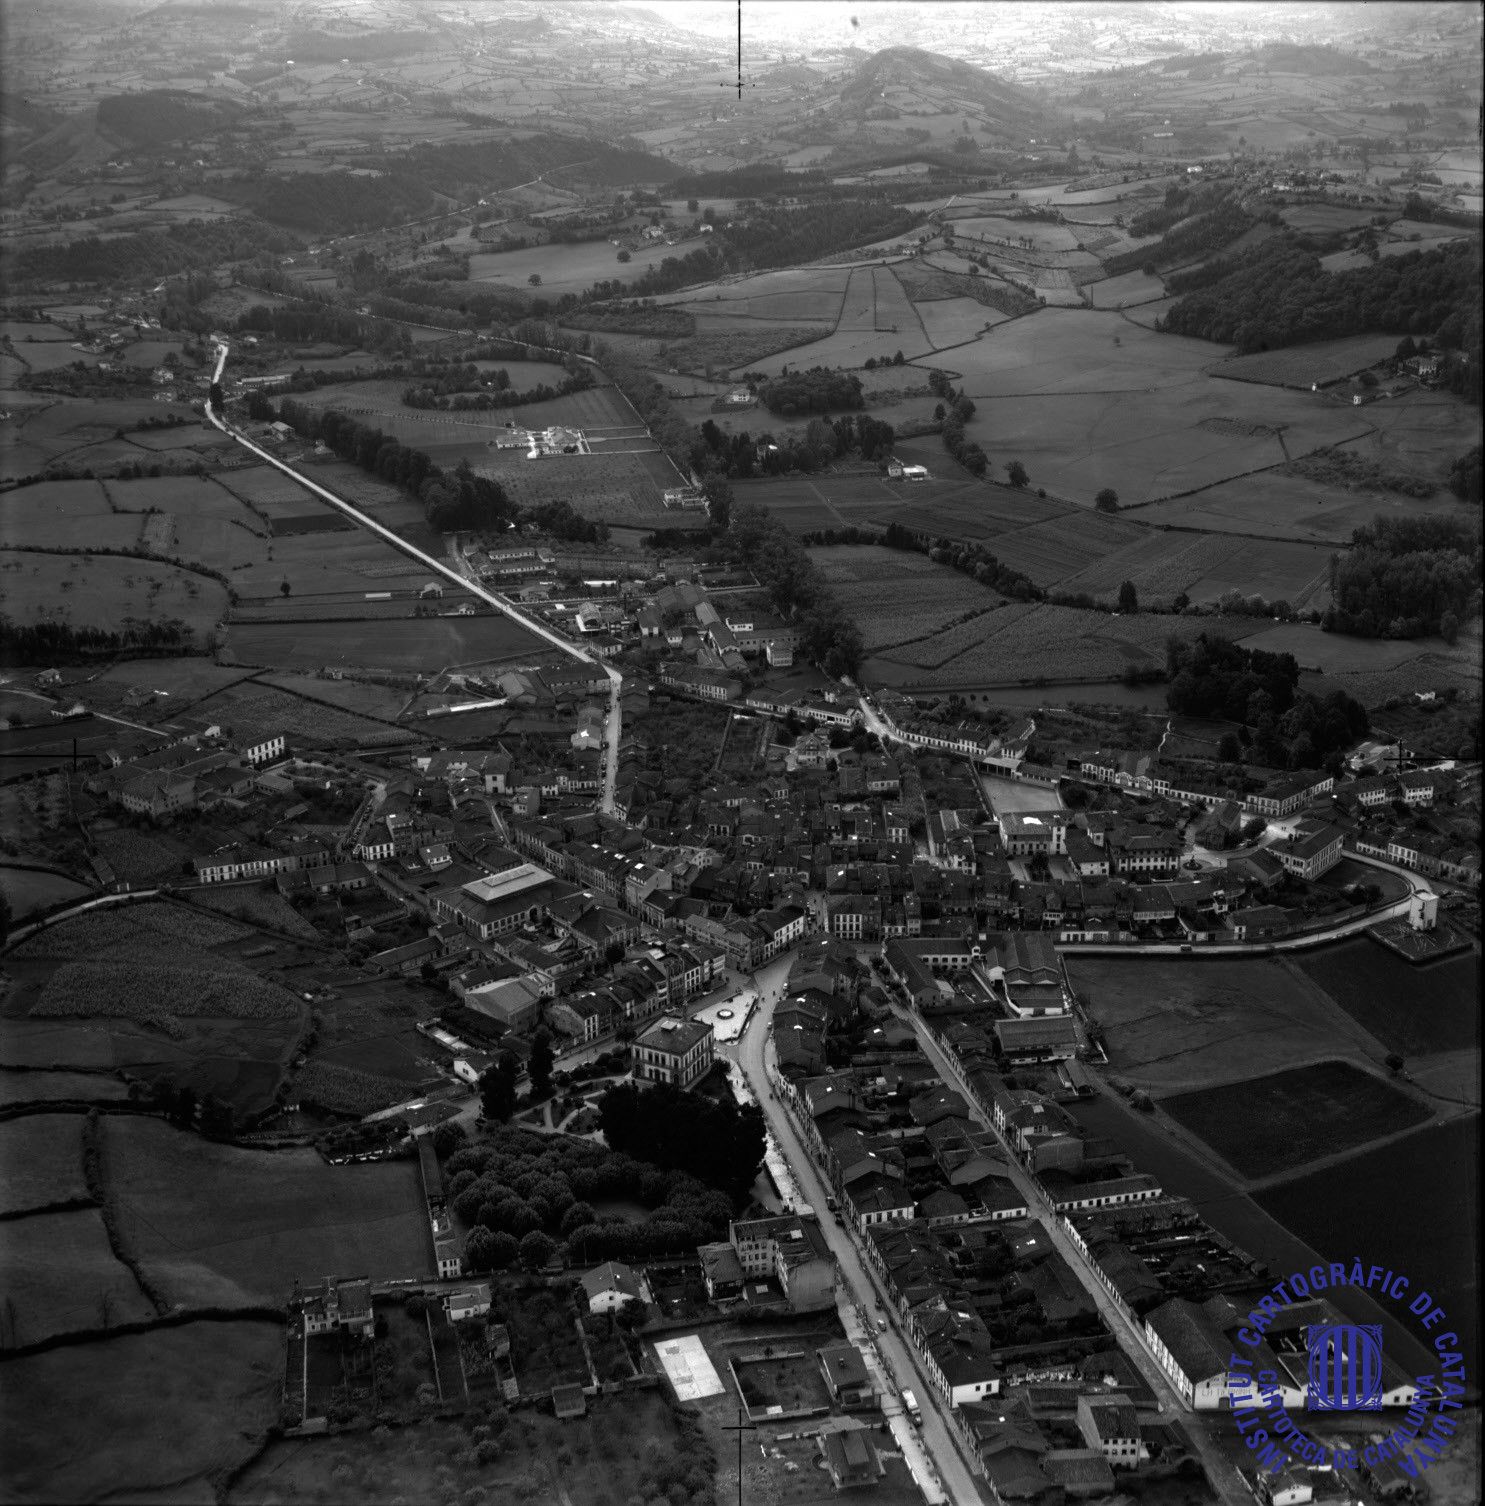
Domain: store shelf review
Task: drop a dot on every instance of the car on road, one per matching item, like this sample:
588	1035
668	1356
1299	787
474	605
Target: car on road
882	1324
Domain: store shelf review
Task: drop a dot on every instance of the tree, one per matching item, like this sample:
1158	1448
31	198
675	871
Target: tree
1129	601
692	206
448	1138
5	917
1107	500
625	257
284	587
536	1249
1016	472
1229	749
535	279
539	1064
498	1088
718	493
1449	627
1395	1063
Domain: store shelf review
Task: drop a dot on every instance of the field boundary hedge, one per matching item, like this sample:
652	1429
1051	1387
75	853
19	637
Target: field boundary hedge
95	1175
75	1336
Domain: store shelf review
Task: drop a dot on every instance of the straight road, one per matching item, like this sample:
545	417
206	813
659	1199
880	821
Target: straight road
1220	1471
441	567
897	1354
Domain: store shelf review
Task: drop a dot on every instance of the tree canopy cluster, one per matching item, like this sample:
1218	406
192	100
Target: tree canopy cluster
62	643
817	390
151	253
786	236
1407	578
1277	294
451	500
828	634
519	1184
1214	677
451	393
716	1141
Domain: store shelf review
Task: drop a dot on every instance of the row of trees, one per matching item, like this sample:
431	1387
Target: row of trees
971	559
955	411
61	643
1407	578
451	500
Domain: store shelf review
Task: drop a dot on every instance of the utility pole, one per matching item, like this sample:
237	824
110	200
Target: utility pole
740	1427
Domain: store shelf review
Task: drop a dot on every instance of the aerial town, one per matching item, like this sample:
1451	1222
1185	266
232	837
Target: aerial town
756	787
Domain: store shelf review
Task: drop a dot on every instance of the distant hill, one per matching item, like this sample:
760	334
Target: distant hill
1318	62
908	78
164	117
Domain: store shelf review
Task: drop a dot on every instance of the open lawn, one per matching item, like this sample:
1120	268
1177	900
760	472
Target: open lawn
424	645
139	1417
41	1157
1184	1025
895	595
35	1087
59	1275
211	1223
31	889
1415	1011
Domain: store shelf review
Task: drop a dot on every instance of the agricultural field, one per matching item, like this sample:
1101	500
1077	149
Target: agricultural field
1336	653
1052	550
102	590
1415	1011
166	1413
422	645
570	268
269	1216
1276	1123
18	1086
1153	444
621	489
721	344
1181	1026
250	707
355	696
42	1157
953	321
1302	366
896	596
59	1275
42	428
808	294
1126	290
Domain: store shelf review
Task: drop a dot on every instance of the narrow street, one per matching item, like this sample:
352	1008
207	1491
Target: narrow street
897	1355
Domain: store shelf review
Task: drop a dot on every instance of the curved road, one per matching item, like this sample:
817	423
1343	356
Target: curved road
440	567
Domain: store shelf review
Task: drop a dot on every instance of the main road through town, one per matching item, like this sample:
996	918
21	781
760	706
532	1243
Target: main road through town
443	568
901	1358
1220	1470
753	1052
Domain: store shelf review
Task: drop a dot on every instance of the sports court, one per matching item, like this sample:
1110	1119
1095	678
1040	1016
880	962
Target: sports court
689	1367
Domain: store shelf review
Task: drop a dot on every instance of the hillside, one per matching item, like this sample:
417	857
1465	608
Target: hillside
163	117
1313	61
908	79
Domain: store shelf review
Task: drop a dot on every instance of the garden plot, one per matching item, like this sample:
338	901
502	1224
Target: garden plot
1052	550
1159	566
214	1224
1273	569
613	488
894	595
